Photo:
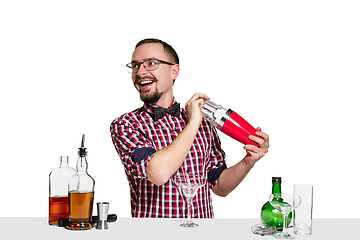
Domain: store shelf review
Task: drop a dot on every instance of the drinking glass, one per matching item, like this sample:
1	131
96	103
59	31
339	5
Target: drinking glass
303	220
285	203
189	184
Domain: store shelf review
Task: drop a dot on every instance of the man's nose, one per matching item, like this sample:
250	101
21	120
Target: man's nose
141	70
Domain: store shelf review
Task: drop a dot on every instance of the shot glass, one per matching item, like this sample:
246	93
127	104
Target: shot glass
303	214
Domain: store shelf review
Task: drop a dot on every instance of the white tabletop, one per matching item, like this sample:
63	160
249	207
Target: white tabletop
135	228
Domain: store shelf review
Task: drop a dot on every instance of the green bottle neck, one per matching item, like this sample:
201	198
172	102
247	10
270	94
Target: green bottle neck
276	188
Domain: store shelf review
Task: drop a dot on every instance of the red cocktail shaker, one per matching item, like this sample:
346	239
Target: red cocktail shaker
229	122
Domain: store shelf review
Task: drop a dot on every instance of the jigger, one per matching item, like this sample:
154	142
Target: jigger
103	208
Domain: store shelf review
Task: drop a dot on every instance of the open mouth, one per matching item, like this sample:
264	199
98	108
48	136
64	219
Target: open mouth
146	83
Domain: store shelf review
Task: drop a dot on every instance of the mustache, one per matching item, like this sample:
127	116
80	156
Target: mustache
139	78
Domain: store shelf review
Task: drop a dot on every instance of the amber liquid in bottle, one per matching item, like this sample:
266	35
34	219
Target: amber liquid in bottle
81	205
58	208
81	194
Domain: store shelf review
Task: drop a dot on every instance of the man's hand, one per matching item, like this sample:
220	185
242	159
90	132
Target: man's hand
255	153
193	107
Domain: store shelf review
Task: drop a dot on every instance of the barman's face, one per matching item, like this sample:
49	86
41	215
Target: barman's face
157	85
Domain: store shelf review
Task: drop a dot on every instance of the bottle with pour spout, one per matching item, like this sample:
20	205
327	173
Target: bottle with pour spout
229	122
81	194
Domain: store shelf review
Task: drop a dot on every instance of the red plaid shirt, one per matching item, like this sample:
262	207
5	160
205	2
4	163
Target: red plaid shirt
136	137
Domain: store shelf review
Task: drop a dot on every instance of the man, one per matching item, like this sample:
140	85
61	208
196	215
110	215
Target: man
160	140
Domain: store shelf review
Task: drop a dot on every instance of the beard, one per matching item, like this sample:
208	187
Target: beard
150	98
145	96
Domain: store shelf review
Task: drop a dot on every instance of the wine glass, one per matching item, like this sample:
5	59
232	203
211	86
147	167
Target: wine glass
285	203
189	184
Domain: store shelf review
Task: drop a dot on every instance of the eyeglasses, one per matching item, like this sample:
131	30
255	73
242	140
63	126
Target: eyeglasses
149	64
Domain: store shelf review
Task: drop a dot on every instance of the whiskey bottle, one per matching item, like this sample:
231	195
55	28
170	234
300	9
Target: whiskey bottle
81	194
270	216
58	191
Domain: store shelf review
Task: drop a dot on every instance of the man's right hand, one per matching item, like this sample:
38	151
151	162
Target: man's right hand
193	107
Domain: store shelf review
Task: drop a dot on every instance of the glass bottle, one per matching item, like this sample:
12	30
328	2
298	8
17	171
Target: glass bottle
81	194
270	216
58	191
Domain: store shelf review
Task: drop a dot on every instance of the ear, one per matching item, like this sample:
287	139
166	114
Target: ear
175	71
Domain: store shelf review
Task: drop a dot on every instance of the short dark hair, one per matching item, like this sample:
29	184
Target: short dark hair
167	48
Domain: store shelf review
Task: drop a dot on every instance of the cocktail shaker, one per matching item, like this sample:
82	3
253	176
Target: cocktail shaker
229	122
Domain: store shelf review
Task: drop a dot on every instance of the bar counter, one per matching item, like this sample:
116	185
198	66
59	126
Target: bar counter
136	228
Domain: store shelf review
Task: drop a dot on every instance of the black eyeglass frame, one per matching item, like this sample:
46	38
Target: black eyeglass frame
129	65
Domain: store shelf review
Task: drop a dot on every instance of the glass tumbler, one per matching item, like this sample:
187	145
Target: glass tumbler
303	214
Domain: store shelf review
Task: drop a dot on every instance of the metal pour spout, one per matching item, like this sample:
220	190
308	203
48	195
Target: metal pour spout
82	149
83	141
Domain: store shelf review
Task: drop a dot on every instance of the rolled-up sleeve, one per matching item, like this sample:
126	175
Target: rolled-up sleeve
133	146
217	159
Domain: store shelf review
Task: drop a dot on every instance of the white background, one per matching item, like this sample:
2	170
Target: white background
290	67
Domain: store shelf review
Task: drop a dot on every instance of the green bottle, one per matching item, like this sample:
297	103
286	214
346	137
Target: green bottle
270	216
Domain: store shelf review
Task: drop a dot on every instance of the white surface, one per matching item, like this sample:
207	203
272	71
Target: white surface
290	67
20	228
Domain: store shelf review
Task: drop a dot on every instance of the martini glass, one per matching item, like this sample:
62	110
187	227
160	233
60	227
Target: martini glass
285	203
189	184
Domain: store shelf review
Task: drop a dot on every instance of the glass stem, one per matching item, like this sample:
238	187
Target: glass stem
189	210
285	218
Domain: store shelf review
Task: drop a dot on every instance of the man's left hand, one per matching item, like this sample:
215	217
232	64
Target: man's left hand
255	153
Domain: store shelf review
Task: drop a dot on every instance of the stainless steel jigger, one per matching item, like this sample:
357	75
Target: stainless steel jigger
103	208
